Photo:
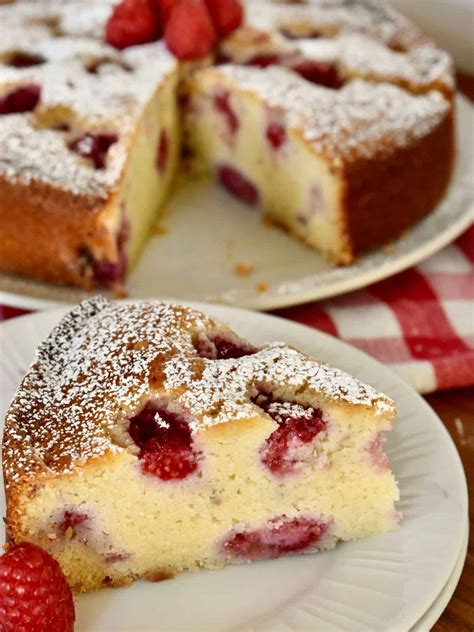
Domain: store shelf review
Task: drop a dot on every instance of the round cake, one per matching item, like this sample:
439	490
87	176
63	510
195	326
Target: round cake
334	119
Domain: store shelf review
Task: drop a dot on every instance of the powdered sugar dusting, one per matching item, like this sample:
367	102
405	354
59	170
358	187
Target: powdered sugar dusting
84	83
362	119
104	360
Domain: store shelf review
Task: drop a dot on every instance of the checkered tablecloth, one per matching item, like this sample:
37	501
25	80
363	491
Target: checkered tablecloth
421	322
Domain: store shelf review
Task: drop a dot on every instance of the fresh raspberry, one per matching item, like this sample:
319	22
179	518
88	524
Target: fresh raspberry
133	22
264	60
297	425
237	184
276	135
219	348
227	15
94	147
165	442
280	537
34	594
320	73
22	99
189	32
222	105
25	60
162	151
165	7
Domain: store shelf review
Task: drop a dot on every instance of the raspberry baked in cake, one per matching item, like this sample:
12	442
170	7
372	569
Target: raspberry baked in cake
333	118
148	439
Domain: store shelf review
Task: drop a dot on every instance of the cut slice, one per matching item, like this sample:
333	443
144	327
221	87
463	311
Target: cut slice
148	439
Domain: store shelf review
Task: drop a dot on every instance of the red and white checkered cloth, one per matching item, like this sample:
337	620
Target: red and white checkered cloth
421	322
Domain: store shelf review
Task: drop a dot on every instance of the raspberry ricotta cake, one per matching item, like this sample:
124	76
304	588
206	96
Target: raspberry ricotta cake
347	102
147	439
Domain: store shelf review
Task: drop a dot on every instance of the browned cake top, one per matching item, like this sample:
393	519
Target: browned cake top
104	360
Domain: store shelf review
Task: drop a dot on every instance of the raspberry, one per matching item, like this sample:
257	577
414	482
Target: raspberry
222	105
94	147
320	73
165	443
133	22
189	32
238	184
264	60
162	151
220	348
276	135
280	537
22	99
25	60
34	594
165	7
72	519
297	425
227	15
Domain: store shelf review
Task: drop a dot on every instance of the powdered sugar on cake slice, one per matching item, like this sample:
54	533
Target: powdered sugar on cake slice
104	360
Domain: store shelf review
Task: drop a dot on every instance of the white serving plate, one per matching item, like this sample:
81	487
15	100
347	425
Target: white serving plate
386	582
207	233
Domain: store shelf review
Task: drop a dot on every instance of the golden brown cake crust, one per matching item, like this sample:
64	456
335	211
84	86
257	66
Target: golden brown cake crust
387	194
49	234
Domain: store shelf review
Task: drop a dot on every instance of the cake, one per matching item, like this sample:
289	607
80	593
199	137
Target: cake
148	439
91	136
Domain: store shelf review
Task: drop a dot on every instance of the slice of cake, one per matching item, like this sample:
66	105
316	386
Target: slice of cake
147	439
333	166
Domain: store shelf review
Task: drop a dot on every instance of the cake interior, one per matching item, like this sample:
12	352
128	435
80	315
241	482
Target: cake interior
250	149
239	498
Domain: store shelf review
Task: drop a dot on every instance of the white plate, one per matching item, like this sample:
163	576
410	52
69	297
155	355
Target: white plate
432	615
208	233
382	583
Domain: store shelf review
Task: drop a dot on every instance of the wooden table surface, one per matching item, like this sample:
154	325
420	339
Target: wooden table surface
456	409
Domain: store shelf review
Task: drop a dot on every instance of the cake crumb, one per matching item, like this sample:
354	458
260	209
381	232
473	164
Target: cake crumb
262	287
121	292
159	229
243	268
69	533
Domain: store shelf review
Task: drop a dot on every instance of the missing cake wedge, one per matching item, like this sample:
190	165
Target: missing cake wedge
147	439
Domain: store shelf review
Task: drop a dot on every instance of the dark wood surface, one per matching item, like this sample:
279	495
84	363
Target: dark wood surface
456	409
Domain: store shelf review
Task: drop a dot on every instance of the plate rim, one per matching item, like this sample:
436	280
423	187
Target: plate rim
274	300
363	357
435	611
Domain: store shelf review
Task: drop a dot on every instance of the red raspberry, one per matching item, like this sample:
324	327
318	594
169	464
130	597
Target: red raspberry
165	442
237	184
22	99
189	32
281	536
165	7
227	15
34	594
133	22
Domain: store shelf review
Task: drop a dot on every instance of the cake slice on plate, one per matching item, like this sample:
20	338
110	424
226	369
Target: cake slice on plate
148	439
